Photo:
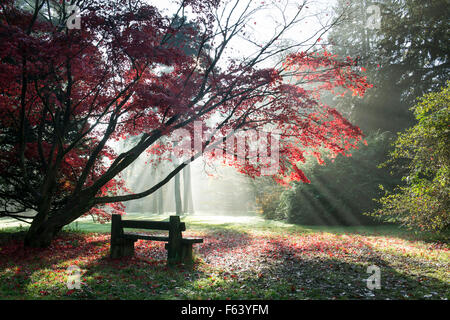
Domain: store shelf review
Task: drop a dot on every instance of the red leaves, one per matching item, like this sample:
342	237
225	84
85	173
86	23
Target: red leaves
334	72
129	71
298	175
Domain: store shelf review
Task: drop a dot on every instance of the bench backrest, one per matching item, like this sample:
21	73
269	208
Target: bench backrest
151	225
173	225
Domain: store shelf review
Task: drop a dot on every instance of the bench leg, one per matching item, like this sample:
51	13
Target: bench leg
128	248
173	254
124	248
186	253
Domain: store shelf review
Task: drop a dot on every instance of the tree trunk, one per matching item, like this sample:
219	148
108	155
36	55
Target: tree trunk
188	206
46	225
178	204
42	236
160	201
154	204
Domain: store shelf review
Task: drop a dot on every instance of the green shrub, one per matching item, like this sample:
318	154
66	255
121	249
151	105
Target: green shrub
424	152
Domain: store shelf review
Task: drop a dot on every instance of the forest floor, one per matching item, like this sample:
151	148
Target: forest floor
241	258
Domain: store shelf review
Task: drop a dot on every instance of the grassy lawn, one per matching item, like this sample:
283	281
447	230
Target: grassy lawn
241	258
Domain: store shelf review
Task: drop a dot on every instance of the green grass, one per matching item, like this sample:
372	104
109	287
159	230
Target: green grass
255	222
242	258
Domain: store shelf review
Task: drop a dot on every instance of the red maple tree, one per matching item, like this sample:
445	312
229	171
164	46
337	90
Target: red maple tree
65	94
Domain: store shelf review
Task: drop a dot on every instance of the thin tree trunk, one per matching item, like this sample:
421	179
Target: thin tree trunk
160	201
154	207
188	205
178	204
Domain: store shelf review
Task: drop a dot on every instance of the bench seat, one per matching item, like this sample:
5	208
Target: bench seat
191	240
143	236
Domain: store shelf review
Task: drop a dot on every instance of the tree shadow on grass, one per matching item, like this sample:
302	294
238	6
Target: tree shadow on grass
25	272
298	274
263	267
390	230
147	275
30	273
42	273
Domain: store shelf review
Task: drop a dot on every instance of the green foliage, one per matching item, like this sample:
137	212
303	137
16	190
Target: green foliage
424	152
342	189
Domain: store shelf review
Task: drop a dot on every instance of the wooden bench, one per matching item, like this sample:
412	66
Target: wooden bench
179	249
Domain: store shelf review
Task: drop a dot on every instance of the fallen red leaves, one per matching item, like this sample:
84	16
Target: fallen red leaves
231	251
297	263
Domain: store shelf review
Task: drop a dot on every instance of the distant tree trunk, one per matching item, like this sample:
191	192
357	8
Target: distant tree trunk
160	201
178	204
154	204
154	197
188	205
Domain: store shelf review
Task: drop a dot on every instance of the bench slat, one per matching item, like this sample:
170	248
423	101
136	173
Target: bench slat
191	240
155	225
136	236
135	224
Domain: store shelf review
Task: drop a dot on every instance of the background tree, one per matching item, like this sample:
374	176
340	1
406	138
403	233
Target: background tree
188	204
404	58
424	152
407	57
177	194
